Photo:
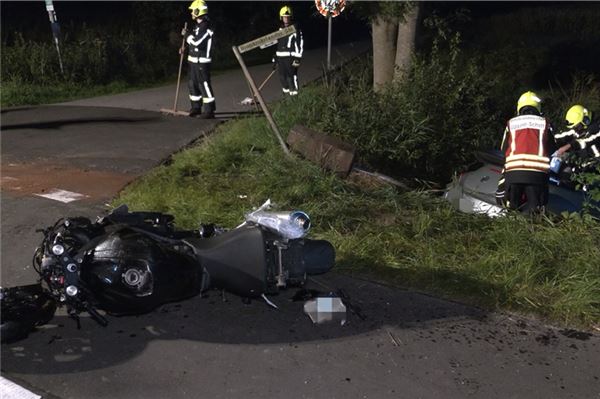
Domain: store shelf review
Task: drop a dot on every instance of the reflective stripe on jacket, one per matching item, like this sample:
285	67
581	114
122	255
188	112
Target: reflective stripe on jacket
589	141
291	45
200	43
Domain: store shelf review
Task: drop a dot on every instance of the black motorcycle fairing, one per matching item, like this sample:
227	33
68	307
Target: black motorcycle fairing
22	309
129	271
235	261
131	263
308	257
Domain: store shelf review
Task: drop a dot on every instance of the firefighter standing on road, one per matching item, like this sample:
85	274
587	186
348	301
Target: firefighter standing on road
289	53
526	144
199	47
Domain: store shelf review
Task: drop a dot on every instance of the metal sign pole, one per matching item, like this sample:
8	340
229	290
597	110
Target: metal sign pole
261	101
263	42
330	22
55	31
330	9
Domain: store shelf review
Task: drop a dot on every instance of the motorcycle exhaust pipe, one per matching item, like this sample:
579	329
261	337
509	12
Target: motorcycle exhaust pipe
290	225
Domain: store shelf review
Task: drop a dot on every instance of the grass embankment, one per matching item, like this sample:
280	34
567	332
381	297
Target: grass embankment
15	93
411	239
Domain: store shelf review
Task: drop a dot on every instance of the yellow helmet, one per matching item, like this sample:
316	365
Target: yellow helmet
529	99
198	8
285	11
578	114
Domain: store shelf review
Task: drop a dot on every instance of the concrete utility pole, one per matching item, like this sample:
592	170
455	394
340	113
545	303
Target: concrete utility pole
55	31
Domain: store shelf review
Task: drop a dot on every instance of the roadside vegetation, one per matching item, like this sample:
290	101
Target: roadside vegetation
411	239
421	129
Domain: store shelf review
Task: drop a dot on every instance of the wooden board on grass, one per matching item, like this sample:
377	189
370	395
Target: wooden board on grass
328	152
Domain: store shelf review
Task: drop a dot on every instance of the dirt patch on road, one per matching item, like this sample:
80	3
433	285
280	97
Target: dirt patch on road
31	179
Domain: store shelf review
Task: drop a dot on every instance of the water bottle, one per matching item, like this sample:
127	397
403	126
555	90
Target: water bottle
555	164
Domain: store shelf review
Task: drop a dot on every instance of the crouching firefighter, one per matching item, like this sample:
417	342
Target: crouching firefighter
199	47
582	139
526	145
288	54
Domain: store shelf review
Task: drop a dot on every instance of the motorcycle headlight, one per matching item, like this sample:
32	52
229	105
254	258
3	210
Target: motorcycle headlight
58	249
71	290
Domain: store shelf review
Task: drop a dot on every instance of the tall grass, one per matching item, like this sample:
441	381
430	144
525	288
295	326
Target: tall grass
548	268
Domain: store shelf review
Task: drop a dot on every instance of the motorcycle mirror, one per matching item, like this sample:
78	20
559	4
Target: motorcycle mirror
323	310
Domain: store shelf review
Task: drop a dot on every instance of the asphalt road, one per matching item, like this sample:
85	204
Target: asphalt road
400	344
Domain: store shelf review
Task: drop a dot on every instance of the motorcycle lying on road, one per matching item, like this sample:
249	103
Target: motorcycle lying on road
129	263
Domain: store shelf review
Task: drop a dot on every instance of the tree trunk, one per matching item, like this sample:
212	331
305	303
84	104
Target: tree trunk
407	34
385	32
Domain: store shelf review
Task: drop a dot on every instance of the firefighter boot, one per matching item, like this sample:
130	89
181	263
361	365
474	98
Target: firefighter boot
196	109
209	111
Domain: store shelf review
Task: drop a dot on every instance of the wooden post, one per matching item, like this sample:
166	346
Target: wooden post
261	101
181	54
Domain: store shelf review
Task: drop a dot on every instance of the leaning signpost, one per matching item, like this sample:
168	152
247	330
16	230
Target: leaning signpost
262	42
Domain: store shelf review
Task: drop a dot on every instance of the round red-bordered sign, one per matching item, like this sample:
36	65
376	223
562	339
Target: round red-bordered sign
330	7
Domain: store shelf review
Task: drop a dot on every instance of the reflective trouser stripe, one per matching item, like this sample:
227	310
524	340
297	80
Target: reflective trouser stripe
209	96
195	98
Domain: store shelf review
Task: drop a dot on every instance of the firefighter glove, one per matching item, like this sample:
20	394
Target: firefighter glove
296	63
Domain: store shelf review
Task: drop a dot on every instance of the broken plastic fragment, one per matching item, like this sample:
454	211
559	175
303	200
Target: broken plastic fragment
326	309
269	302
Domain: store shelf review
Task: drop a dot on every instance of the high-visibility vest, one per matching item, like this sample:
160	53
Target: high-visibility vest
526	144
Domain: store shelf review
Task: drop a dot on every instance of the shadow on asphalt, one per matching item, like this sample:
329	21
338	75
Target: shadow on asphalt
15	109
61	348
57	124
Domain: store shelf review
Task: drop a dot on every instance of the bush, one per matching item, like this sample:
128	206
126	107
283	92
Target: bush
424	126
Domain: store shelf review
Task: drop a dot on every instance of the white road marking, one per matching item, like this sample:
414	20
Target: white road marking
10	390
65	196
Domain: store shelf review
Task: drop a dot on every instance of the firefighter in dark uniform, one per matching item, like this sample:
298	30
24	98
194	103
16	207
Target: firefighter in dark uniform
199	43
582	139
527	145
288	54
